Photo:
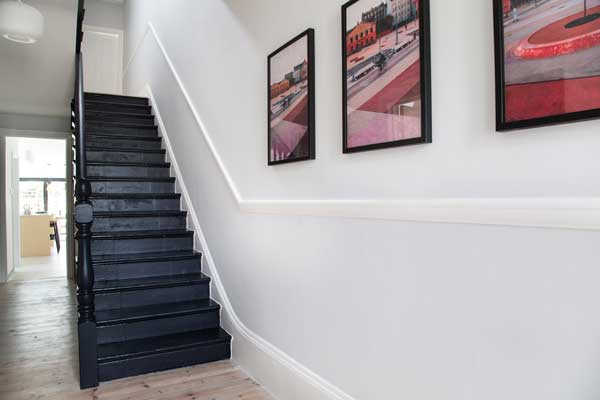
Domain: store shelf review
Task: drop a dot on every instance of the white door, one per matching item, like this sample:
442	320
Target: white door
102	50
13	254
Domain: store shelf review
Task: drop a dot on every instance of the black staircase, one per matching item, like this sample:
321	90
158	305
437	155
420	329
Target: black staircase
144	304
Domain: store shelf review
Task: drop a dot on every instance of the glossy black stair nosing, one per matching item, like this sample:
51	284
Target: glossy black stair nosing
121	136
169	281
125	150
136	258
154	312
147	234
105	356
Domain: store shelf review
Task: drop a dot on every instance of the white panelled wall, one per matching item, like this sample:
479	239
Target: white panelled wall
357	292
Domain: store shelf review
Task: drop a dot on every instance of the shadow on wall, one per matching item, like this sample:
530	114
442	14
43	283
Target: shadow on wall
261	27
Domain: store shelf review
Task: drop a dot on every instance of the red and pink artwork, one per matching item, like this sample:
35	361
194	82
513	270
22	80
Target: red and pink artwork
548	58
386	77
291	101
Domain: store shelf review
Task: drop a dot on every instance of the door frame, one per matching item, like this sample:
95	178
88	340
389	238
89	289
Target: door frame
110	32
69	245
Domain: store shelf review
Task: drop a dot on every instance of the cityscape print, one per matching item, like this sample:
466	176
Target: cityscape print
383	100
290	136
551	57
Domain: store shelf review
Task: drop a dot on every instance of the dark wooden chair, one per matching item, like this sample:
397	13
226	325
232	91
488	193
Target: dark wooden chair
55	236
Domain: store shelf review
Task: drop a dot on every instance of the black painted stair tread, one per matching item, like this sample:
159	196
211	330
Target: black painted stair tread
100	124
120	136
111	352
125	150
116	98
135	195
129	164
112	95
129	179
146	257
100	103
121	285
164	233
155	311
110	113
138	214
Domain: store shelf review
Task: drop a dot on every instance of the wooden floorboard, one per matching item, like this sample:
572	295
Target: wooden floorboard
38	356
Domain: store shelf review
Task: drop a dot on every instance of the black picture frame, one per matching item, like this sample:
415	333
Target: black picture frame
425	83
310	34
502	124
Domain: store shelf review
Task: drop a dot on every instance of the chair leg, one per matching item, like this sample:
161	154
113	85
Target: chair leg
56	235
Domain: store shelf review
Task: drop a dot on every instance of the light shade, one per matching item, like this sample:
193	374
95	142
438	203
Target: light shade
20	22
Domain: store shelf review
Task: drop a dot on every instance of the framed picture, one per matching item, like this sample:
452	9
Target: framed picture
291	96
547	62
386	74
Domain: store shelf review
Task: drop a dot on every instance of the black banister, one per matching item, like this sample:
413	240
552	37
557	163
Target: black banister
84	217
80	18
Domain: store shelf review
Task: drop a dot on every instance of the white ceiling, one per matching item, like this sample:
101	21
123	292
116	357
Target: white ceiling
38	79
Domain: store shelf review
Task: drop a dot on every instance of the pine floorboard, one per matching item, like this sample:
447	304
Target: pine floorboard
38	356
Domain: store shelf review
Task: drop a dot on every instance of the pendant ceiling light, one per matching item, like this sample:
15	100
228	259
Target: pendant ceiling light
20	22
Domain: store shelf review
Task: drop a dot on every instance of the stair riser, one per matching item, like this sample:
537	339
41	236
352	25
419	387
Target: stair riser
151	131
113	133
138	119
128	171
123	143
147	245
116	99
116	156
138	298
158	327
118	224
105	272
171	204
165	361
133	187
118	108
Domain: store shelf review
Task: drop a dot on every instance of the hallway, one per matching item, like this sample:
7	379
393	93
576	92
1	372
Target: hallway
38	356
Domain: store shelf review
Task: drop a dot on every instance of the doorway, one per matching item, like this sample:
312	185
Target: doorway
103	59
38	224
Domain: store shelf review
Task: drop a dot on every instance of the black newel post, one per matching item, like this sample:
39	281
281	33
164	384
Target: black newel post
84	217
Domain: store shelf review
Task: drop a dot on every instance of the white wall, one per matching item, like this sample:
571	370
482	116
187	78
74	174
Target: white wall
104	13
32	122
379	309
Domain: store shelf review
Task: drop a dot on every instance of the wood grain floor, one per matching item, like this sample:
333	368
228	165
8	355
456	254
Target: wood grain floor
38	356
